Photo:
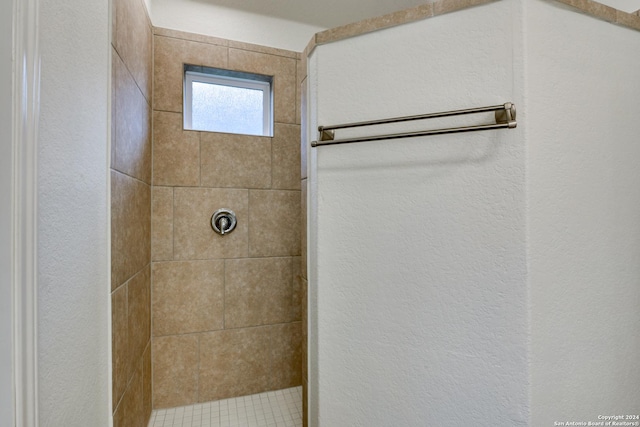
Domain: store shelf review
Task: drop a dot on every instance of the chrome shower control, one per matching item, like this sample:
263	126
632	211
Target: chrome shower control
223	221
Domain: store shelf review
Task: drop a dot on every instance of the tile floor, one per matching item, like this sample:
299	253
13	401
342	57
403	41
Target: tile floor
280	408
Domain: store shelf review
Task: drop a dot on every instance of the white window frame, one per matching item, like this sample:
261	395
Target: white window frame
229	79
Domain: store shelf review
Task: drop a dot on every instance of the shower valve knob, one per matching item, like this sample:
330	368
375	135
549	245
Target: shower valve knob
223	221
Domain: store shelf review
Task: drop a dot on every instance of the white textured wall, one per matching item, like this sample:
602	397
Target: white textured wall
6	171
73	211
204	18
418	264
584	180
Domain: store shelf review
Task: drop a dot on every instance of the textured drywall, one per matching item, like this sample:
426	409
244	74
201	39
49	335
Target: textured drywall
6	172
584	215
418	268
73	211
204	18
624	5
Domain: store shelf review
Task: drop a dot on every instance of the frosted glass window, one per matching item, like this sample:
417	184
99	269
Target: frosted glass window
227	101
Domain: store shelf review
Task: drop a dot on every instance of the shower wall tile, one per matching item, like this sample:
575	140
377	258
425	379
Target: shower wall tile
304	326
130	411
120	343
239	161
139	314
130	227
304	143
176	152
284	91
161	223
286	157
257	291
170	55
274	223
296	294
286	355
146	383
234	363
175	370
303	229
134	41
132	122
193	236
222	306
188	296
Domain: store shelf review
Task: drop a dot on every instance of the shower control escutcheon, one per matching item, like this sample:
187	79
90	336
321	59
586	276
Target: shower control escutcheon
223	221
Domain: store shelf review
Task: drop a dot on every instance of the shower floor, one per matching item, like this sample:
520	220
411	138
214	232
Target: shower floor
280	408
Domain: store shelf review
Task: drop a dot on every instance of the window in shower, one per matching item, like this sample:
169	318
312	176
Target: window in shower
219	100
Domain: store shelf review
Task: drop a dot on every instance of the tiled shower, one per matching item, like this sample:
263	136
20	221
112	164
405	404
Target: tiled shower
196	316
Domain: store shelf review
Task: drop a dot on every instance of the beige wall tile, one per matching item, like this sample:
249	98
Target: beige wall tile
263	49
146	384
115	59
176	152
188	296
130	227
296	300
193	236
304	143
133	126
175	370
139	314
593	8
240	161
305	404
274	223
299	79
130	412
170	55
303	229
305	320
286	361
628	19
134	41
234	363
286	157
284	82
161	223
257	291
119	343
159	31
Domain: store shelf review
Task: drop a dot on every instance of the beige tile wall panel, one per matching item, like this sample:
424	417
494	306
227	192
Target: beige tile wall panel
296	309
120	343
134	41
161	223
188	296
146	383
130	411
115	61
234	363
170	55
193	236
139	314
130	227
176	152
300	75
286	157
284	82
303	229
175	370
286	355
274	223
238	161
258	291
132	121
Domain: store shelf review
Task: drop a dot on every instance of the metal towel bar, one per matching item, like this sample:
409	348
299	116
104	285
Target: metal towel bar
505	116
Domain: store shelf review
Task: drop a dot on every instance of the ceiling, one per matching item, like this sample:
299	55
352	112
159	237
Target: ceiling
320	13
